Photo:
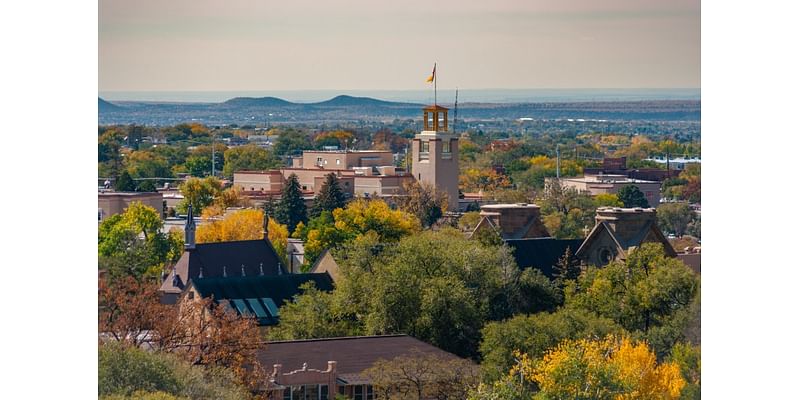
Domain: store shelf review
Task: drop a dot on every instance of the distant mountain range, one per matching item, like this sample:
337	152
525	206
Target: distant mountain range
248	110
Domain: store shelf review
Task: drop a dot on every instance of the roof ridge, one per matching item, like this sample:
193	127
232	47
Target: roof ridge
337	338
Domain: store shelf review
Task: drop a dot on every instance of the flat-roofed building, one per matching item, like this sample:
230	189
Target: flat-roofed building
600	184
112	203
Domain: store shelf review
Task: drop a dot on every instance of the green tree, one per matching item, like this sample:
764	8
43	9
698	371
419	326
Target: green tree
314	314
248	157
199	193
291	208
132	244
631	196
146	164
649	294
124	183
675	217
687	357
330	196
198	166
534	335
291	141
133	373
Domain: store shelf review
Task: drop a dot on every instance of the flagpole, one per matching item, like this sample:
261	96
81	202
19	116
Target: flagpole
434	84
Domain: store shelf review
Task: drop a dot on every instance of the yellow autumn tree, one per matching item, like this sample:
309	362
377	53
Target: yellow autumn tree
241	225
613	368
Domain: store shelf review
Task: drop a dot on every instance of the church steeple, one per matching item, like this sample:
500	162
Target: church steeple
189	230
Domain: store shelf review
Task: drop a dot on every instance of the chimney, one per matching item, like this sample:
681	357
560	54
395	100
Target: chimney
627	223
189	230
516	221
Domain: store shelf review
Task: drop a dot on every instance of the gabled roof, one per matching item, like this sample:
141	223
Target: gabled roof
541	253
224	258
258	296
648	233
353	355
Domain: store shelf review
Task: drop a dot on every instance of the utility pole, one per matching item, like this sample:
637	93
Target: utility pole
558	164
213	157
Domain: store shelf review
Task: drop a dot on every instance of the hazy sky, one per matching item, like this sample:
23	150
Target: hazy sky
183	45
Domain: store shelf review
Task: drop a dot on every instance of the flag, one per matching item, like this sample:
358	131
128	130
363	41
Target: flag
433	74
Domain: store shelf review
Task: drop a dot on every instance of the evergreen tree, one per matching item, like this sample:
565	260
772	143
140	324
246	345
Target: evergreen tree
330	196
567	268
291	209
125	183
631	196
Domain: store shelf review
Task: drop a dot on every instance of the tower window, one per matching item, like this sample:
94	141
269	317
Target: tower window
446	146
426	146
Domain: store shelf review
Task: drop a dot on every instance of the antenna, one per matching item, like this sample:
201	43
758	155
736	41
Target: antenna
455	113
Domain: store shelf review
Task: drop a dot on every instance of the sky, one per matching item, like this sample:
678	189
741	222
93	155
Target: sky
246	45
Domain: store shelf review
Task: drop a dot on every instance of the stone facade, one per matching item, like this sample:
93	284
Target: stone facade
513	221
618	231
112	203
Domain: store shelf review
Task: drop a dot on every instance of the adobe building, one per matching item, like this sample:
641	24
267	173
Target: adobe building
618	231
601	184
435	154
324	368
364	173
112	203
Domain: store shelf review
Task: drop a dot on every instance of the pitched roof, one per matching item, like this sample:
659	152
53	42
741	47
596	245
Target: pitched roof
260	296
353	355
541	253
224	258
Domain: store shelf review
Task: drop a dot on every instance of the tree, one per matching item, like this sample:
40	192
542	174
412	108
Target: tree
130	373
610	368
359	217
330	196
423	201
649	295
198	166
132	244
314	314
291	141
199	193
124	183
675	217
687	357
567	268
422	376
147	164
631	196
239	225
291	208
250	157
535	334
196	330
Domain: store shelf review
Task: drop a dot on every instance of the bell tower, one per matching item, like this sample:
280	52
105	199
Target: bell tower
435	154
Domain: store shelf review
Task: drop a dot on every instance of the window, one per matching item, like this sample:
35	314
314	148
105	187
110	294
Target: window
325	162
426	146
323	392
319	160
446	146
287	394
358	392
338	161
370	394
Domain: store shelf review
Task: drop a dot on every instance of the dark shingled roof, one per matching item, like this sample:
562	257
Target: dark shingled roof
255	255
353	355
541	253
252	295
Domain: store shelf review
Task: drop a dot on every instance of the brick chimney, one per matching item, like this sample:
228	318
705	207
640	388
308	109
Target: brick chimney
516	221
626	223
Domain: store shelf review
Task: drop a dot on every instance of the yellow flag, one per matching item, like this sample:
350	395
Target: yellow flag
433	74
